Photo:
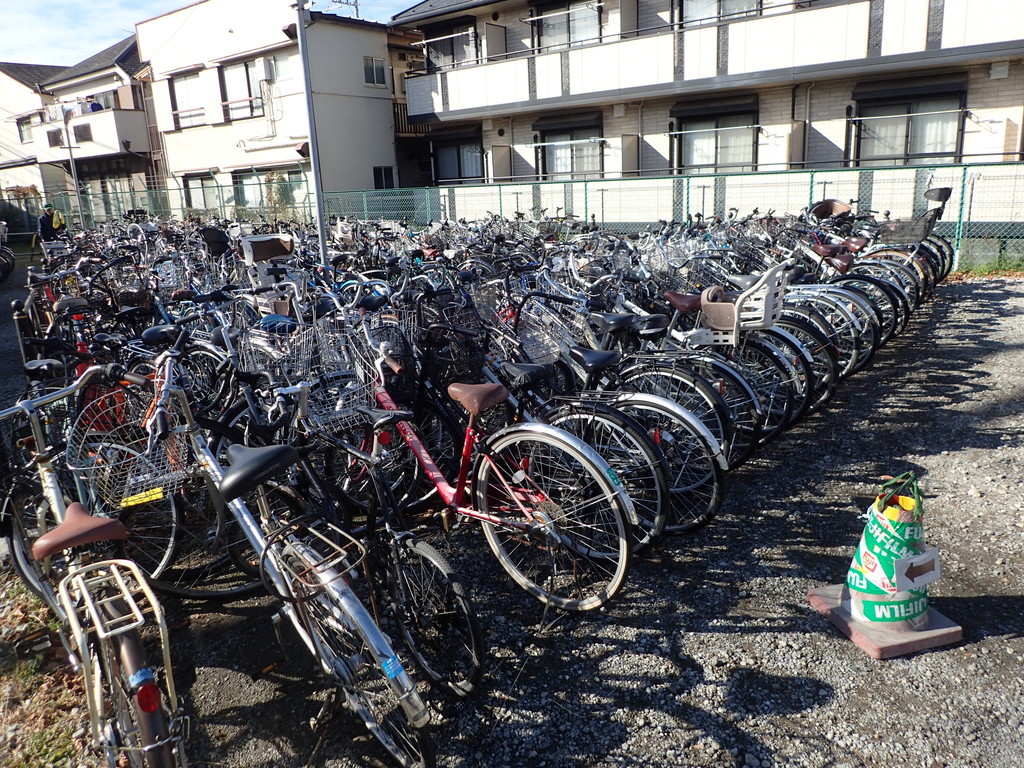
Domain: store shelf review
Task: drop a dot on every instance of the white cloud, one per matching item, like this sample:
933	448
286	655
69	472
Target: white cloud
73	30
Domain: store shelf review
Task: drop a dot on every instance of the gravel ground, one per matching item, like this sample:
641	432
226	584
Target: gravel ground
712	656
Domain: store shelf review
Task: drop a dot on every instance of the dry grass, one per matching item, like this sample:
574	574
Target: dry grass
42	711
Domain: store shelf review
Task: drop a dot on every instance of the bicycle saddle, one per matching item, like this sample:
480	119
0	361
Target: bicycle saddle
78	529
252	466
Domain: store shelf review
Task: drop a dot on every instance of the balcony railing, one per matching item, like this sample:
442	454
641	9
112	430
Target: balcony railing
403	126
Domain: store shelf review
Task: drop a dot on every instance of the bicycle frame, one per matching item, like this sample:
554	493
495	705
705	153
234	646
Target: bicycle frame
89	586
329	576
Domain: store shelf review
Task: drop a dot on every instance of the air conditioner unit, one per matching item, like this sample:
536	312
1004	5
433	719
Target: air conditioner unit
264	68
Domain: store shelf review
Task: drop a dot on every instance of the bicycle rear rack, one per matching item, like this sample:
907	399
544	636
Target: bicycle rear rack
336	554
109	598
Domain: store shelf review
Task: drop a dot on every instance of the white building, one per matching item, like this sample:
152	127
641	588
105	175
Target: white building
22	106
96	119
230	106
520	90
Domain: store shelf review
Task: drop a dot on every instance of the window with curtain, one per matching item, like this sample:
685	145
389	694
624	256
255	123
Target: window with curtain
449	46
569	24
25	129
576	153
240	90
252	188
186	101
459	160
919	132
696	11
373	71
723	143
201	192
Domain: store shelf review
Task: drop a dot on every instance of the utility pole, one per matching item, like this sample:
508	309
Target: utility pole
314	150
74	170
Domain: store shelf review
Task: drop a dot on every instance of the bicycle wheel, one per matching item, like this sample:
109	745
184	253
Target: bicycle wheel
630	451
893	318
741	401
136	731
676	381
435	616
824	362
212	559
764	368
355	655
803	378
30	516
696	468
562	531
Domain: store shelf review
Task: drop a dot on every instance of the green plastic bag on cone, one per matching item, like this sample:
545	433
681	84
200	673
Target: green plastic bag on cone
895	529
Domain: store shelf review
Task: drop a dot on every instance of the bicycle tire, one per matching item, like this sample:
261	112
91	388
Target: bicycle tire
824	361
883	295
132	733
566	541
349	647
696	474
741	402
764	367
629	450
804	379
213	560
437	621
685	386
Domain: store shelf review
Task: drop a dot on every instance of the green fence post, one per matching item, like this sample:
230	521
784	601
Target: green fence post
958	238
810	190
365	216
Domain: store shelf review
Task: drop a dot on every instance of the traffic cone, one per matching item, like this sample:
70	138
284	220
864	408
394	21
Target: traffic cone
883	606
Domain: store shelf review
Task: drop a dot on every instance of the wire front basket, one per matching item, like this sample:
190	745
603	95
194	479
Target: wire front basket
287	353
334	398
110	448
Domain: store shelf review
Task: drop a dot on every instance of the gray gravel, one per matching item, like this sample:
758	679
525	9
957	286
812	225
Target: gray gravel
712	656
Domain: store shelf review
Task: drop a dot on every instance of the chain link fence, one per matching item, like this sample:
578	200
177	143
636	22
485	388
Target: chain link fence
984	217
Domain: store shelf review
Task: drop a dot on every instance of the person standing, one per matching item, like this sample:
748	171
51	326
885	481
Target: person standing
51	224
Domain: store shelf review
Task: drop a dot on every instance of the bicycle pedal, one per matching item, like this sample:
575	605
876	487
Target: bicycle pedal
34	643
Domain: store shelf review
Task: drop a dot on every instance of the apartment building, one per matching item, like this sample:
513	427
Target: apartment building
575	90
230	102
22	106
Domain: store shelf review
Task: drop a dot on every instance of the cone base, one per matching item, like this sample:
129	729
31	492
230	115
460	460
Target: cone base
877	640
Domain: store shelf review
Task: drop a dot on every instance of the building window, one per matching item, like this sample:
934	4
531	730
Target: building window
459	160
450	46
569	24
25	129
707	11
240	89
383	177
256	188
725	142
186	101
572	153
82	132
55	138
919	132
201	192
373	71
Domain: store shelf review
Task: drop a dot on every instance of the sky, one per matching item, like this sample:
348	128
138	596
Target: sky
69	31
